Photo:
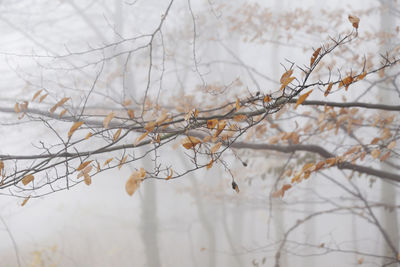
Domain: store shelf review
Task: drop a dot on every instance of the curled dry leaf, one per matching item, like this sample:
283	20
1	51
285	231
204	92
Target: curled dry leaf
375	153
43	97
74	127
121	163
267	98
134	181
328	89
354	20
131	113
1	166
83	165
25	201
385	156
281	192
220	127
62	113
235	187
190	141
163	117
302	98
286	76
87	179
27	179
170	176
16	108
390	146
215	147
140	138
314	56
107	161
212	123
36	94
210	164
84	171
150	126
108	119
117	134
89	134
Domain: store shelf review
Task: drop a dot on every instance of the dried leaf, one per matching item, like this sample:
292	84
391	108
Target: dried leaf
89	134
239	118
302	98
85	170
140	138
107	119
361	76
87	179
43	97
235	187
215	147
385	156
150	126
162	118
190	141
390	146
107	161
131	113
281	192
210	164
267	98
25	201
237	104
126	102
121	163
117	134
170	176
62	113
286	76
314	56
212	123
36	94
328	89
133	183
354	20
27	179
375	140
74	127
16	108
1	166
375	153
83	165
220	127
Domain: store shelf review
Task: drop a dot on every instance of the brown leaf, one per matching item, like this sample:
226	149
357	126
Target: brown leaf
212	123
16	108
36	94
215	147
237	104
89	134
267	98
133	183
354	20
131	113
121	163
239	117
190	141
375	153
27	179
43	97
328	89
162	118
74	127
85	170
385	156
286	76
87	179
390	146
314	56
140	138
83	165
210	164
235	187
62	113
25	201
126	102
170	176
220	127
117	134
361	76
107	119
150	126
107	161
302	98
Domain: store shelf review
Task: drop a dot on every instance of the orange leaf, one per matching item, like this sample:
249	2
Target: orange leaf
239	118
354	20
36	94
88	135
286	76
215	147
87	179
117	134
25	200
74	127
27	179
133	183
390	146
210	164
267	99
375	153
170	176
126	102
361	76
150	126
123	160
302	98
62	113
237	104
107	161
43	97
140	138
212	123
328	89
131	113
314	56
385	156
220	127
107	119
83	165
16	108
190	141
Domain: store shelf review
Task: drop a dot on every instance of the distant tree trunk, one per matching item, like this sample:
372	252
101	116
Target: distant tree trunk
149	221
388	191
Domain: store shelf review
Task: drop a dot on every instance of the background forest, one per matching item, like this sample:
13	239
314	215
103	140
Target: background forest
199	133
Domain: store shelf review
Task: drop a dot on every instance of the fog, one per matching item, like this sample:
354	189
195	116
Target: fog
96	53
